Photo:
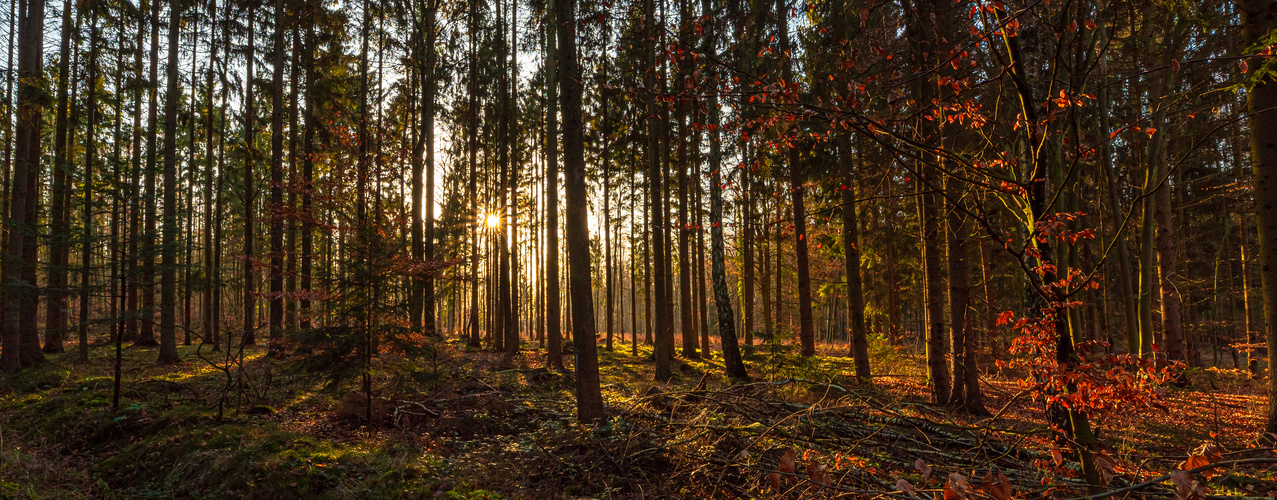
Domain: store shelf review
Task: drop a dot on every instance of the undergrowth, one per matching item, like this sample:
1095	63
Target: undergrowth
457	426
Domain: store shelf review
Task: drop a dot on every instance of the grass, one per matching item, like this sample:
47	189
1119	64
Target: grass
459	427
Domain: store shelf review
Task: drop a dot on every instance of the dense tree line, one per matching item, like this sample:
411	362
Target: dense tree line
1065	187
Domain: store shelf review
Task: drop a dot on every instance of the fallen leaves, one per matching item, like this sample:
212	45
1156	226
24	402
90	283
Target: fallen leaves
957	488
997	485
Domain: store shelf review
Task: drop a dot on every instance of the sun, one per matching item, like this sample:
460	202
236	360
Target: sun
493	220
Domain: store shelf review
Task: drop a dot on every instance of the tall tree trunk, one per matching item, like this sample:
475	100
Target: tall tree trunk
797	192
209	282
59	248
733	364
851	262
660	260
429	321
250	158
290	243
511	167
135	192
701	299
26	166
308	167
687	326
553	310
918	28
471	193
607	220
90	154
146	335
1259	19
168	257
5	175
588	396
276	205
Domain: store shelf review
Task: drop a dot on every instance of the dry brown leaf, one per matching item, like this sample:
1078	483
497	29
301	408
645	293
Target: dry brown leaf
1105	465
1187	488
1057	456
787	464
924	469
774	479
819	474
997	485
906	488
956	488
1204	455
1211	451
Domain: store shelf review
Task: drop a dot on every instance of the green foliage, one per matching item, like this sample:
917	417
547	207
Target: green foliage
368	318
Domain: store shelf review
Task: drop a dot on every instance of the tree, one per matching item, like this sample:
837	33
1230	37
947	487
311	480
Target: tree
1259	21
660	260
589	398
250	159
553	311
90	154
18	348
59	247
146	320
170	248
734	365
276	205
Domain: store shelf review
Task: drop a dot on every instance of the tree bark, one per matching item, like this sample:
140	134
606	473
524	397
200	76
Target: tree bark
851	262
733	364
250	159
276	206
588	396
59	247
1259	19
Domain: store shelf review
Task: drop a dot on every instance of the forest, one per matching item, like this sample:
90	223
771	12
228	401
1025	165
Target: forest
879	249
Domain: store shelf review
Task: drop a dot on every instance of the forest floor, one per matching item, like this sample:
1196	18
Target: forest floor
456	426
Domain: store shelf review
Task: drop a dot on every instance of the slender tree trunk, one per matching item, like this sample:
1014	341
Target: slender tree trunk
135	192
851	265
169	249
210	272
90	154
918	28
250	158
55	313
146	335
276	206
733	364
664	328
607	221
429	320
308	169
5	175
